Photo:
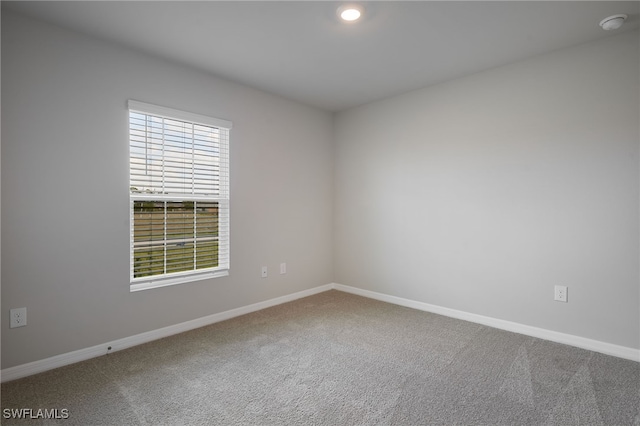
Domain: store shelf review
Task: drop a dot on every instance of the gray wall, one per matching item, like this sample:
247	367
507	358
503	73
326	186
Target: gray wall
483	193
65	187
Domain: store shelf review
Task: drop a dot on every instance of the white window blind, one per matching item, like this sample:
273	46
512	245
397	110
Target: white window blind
179	196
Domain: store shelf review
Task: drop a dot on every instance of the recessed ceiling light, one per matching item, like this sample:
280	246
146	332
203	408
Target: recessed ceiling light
613	22
350	13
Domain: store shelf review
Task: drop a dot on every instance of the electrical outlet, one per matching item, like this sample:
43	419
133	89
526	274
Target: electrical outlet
283	268
18	317
560	293
264	272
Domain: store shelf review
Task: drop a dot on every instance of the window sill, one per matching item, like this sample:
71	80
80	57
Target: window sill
139	285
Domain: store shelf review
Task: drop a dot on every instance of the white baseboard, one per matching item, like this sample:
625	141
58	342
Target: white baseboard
61	360
554	336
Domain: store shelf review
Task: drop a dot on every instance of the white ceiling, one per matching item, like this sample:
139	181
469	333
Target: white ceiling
300	50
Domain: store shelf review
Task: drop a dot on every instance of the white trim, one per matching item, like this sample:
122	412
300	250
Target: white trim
61	360
165	112
554	336
139	284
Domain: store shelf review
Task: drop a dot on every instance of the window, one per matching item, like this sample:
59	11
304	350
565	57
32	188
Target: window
179	196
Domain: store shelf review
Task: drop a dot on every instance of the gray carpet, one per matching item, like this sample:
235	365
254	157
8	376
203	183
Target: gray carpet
339	359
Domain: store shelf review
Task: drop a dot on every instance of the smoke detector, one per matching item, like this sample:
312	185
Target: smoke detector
613	22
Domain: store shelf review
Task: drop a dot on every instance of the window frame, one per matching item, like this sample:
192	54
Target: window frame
223	237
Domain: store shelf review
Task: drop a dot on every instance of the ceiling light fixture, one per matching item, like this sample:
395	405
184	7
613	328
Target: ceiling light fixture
350	13
613	22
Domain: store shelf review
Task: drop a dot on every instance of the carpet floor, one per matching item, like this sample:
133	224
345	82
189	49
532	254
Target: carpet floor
338	359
